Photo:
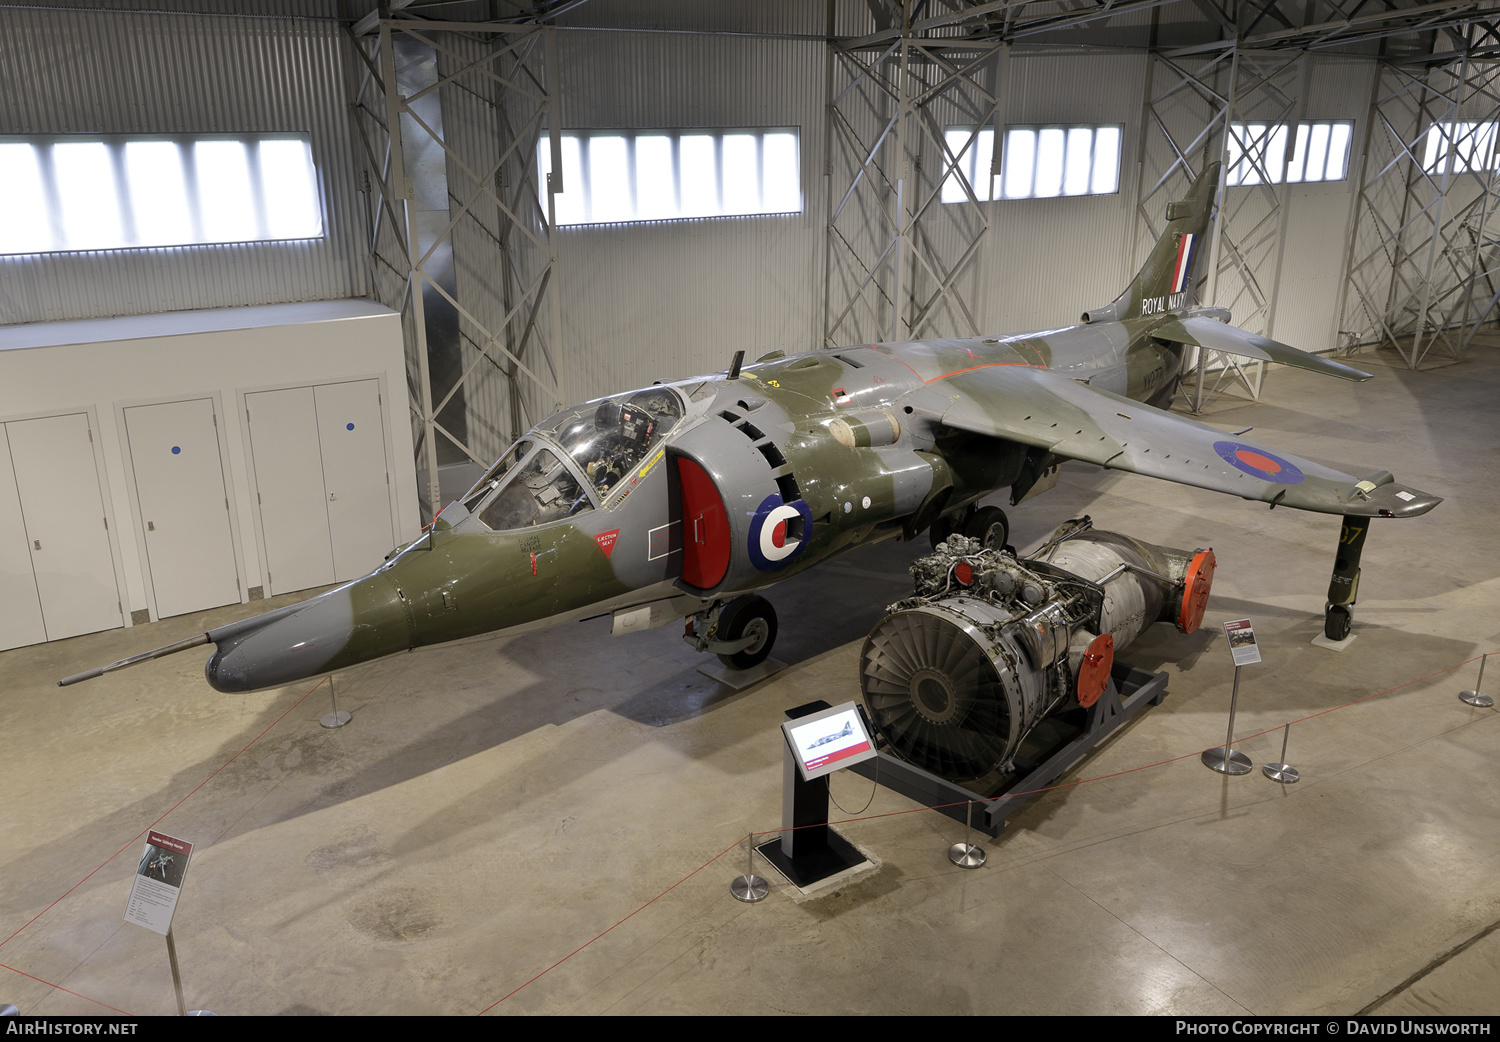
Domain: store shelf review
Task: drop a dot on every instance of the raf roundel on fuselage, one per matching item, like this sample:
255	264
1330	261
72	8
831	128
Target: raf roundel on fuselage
778	532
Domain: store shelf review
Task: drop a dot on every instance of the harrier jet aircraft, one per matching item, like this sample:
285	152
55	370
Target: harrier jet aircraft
681	500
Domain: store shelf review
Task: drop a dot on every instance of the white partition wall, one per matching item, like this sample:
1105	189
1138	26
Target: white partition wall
174	477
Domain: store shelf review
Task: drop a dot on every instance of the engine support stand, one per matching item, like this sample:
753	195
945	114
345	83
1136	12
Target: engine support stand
1129	691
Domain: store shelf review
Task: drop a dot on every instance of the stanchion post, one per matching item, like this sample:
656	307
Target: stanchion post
1226	759
966	854
749	887
1282	772
335	718
1477	697
176	976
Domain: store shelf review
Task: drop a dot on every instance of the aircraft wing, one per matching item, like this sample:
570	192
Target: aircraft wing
1053	411
1202	331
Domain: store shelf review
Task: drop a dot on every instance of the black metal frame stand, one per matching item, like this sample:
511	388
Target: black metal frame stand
1111	712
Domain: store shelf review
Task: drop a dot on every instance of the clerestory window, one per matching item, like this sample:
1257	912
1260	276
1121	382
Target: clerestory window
1258	154
1036	162
611	176
108	192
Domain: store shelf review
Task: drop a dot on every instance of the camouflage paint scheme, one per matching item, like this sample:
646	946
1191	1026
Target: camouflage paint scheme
861	443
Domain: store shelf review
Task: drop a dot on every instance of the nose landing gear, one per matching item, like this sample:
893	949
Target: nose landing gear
741	631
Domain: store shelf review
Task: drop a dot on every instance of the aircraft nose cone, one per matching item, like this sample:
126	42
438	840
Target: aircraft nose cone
351	624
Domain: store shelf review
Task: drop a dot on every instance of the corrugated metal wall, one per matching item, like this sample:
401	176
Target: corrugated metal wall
1051	259
673	298
640	302
65	71
1407	204
659	301
1318	228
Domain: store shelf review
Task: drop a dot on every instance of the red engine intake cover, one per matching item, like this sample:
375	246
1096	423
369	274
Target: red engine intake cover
1093	671
1195	586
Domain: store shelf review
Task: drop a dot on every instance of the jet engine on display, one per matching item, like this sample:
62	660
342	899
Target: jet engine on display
957	676
684	499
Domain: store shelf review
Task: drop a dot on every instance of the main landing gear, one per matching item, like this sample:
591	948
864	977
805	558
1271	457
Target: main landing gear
987	524
740	631
1343	588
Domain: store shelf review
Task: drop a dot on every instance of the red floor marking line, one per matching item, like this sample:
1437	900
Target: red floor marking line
131	842
70	991
642	908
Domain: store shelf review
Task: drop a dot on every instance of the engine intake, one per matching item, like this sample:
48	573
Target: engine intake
990	645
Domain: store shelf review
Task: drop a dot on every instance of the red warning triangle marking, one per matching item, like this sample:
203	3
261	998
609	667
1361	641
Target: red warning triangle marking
606	541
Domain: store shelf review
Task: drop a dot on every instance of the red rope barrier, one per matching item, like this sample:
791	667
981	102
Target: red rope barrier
959	803
700	868
59	987
137	838
642	908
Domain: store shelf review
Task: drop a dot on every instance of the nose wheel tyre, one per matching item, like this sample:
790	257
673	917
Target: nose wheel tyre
747	616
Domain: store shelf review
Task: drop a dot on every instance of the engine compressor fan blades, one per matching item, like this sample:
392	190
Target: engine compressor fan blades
933	694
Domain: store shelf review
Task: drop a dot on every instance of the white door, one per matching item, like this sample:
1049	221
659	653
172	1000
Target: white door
173	450
63	512
351	434
20	605
289	489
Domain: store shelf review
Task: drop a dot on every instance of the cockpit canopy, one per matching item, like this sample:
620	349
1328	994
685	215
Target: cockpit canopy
574	459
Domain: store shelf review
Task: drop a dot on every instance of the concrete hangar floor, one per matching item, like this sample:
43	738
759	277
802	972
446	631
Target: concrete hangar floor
496	805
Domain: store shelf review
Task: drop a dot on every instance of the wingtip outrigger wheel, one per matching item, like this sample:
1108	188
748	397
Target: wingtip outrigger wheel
1343	588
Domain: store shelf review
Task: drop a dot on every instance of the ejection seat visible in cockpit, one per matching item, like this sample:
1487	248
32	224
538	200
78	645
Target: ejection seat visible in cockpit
572	461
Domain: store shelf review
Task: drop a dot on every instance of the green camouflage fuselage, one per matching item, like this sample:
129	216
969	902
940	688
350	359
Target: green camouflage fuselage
846	436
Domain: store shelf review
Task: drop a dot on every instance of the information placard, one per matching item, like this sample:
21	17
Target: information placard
1242	643
158	882
828	741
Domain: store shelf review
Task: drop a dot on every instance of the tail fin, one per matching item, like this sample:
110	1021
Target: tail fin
1169	279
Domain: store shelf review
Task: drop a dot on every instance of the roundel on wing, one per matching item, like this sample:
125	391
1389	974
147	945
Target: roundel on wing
778	532
1259	463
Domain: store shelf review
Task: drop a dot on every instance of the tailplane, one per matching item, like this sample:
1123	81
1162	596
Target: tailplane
1169	279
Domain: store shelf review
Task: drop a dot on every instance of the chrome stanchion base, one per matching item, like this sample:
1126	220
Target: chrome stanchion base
749	888
966	855
337	718
1476	698
1226	761
1280	772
